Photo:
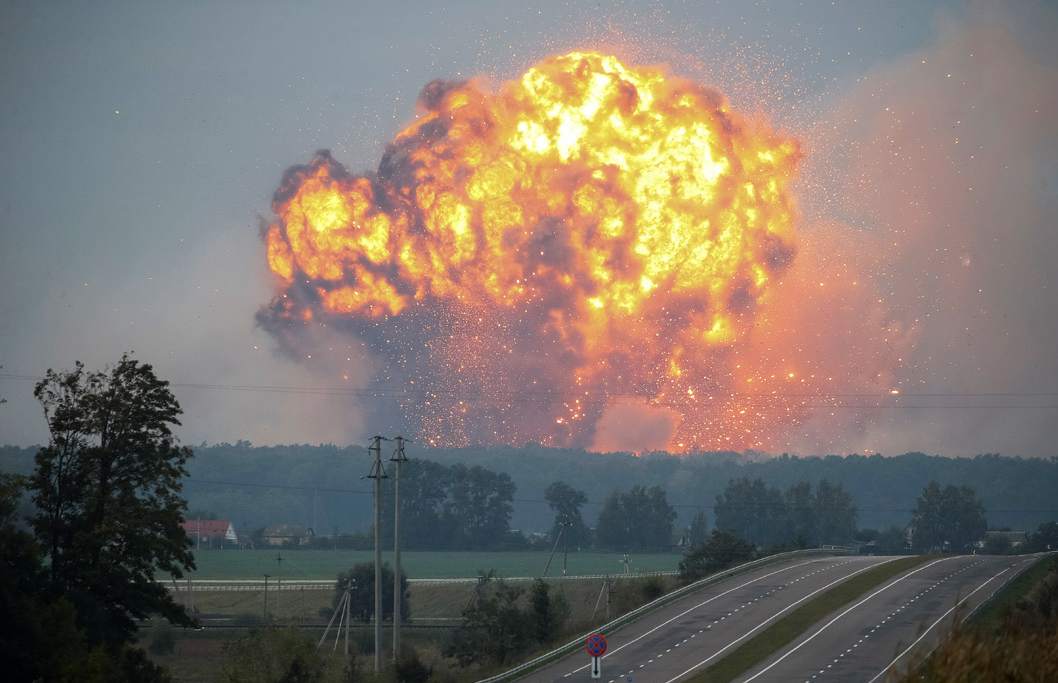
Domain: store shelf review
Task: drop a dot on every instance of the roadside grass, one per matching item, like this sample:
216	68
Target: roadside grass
990	617
773	638
252	565
198	653
429	603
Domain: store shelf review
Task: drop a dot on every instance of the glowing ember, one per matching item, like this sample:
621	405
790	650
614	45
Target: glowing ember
584	250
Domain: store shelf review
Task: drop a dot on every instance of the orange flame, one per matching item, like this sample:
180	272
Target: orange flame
592	234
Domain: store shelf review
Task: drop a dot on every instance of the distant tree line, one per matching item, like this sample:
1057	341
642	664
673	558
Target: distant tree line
453	506
802	515
320	486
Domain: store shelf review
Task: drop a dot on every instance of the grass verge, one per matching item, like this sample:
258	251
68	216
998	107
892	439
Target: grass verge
797	622
990	617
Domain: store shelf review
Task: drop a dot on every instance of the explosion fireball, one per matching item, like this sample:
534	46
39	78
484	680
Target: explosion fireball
584	250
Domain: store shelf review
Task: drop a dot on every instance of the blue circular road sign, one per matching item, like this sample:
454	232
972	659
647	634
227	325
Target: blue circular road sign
596	645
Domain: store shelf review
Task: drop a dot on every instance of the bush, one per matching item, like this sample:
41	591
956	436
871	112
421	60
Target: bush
272	654
247	619
651	588
410	669
721	550
161	640
634	593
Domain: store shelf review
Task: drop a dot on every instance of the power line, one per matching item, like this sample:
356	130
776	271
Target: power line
585	396
579	392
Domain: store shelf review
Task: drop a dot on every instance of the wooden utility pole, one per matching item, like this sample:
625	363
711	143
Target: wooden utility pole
279	581
378	474
265	617
561	534
397	459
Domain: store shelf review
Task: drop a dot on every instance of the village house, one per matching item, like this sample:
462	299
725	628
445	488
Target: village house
211	533
287	534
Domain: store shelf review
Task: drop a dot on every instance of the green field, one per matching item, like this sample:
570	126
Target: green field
236	565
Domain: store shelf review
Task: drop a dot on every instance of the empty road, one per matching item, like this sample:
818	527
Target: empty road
857	643
861	640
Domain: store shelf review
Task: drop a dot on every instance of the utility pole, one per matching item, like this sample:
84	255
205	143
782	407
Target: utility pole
561	534
265	616
279	580
397	459
378	474
567	525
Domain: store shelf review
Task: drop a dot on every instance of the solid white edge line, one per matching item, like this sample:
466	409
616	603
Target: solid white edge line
706	602
942	618
829	623
771	618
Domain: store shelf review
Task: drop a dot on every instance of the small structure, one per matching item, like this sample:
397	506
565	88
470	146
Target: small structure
211	532
290	534
865	547
1013	539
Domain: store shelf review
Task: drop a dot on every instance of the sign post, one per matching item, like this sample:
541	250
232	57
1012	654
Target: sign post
596	648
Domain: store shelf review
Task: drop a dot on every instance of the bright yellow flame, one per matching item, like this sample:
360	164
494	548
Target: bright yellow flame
626	213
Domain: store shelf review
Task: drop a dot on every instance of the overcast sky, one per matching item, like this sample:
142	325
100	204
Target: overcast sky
140	143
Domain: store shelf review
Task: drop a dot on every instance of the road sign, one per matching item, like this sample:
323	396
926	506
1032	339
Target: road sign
596	667
596	645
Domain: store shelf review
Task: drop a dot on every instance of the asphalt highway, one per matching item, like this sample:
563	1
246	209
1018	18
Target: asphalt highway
888	625
689	634
857	643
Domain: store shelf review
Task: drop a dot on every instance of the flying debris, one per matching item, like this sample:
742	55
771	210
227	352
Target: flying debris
585	249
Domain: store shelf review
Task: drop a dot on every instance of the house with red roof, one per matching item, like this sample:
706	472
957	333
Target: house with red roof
211	533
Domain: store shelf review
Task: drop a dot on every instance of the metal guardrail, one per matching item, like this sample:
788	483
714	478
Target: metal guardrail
1006	584
663	600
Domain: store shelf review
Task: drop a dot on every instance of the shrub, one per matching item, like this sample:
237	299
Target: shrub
161	640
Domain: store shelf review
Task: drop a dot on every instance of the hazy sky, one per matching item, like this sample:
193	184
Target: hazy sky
140	143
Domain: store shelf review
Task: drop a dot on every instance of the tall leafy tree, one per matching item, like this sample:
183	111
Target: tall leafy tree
640	519
424	486
753	511
107	492
360	582
698	530
546	613
835	514
479	506
801	518
567	501
611	528
42	636
950	518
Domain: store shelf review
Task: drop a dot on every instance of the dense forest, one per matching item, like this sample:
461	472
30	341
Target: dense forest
323	487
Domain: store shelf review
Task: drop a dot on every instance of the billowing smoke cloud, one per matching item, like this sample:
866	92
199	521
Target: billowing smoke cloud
951	176
527	262
518	271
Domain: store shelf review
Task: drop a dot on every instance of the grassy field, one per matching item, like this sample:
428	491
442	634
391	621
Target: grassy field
237	565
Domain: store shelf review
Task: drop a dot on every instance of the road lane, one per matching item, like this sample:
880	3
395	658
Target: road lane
695	631
861	641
